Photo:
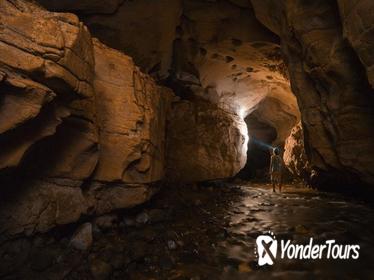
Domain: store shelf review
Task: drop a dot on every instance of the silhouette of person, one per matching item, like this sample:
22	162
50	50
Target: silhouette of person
276	165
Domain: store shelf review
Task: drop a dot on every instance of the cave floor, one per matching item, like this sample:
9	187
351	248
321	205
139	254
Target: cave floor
209	232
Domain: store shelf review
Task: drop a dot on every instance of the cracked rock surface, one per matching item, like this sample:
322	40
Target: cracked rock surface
75	117
325	44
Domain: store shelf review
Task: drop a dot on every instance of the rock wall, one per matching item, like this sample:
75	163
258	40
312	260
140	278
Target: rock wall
83	6
294	155
357	22
84	129
131	115
156	21
81	128
224	55
214	50
204	142
41	73
326	44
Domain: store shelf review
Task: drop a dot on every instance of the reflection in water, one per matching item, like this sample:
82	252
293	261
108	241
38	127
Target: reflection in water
209	232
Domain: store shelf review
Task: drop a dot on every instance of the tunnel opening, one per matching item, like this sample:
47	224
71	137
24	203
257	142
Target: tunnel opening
261	137
248	85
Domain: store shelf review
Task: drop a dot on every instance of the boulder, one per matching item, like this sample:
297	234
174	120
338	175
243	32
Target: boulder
39	207
204	142
106	221
82	238
103	198
142	218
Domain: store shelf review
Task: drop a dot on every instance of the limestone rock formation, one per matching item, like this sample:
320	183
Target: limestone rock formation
239	69
294	155
131	114
216	50
203	46
82	238
204	142
87	132
102	198
83	6
40	207
357	22
332	80
244	78
144	30
47	73
80	124
41	73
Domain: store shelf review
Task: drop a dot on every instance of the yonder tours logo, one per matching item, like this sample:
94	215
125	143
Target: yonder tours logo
267	250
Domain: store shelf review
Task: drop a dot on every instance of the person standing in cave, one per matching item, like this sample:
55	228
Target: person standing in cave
276	165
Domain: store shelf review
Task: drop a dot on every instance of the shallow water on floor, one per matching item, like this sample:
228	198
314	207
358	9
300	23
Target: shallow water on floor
210	232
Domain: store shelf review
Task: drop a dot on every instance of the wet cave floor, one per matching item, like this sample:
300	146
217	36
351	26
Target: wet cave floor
208	232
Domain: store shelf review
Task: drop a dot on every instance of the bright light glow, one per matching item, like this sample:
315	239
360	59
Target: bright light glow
244	131
242	113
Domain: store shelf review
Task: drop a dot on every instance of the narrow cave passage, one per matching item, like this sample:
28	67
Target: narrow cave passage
261	137
136	139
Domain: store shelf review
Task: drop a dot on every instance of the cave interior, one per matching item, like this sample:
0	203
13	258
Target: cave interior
124	116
